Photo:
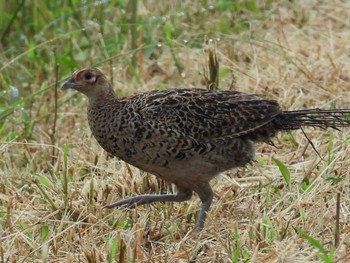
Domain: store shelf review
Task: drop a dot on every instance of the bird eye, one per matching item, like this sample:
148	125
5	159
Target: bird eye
88	75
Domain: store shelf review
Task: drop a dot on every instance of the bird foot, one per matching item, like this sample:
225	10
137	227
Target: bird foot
127	203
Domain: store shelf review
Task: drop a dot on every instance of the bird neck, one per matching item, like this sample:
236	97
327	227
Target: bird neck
104	96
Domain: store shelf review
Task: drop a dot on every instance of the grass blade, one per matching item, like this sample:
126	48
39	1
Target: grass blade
285	172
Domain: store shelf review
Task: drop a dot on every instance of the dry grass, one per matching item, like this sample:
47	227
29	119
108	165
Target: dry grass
51	196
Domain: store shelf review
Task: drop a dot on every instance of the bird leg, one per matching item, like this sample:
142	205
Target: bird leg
204	192
206	195
183	194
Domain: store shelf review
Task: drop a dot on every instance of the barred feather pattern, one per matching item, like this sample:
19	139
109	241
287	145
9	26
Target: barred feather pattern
187	136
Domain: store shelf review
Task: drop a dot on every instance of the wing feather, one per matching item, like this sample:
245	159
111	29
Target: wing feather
206	115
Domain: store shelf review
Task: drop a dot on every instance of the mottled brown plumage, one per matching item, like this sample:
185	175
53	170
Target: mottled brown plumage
187	136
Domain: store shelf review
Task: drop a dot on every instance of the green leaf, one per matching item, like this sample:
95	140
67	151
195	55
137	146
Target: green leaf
331	155
65	156
269	230
332	177
261	161
167	29
251	6
236	254
285	172
44	232
31	49
113	250
331	139
44	180
325	256
311	240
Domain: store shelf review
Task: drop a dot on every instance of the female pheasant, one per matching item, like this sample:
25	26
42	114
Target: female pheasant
187	136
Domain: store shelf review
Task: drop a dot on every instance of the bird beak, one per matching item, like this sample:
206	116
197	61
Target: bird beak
69	84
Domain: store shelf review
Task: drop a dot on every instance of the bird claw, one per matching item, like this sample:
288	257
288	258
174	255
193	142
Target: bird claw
127	203
120	205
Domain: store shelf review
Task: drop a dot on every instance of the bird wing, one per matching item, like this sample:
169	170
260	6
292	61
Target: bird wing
206	115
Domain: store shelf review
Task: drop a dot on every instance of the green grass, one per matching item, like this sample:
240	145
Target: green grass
55	179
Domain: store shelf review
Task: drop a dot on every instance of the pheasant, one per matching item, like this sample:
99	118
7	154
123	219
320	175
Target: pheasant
187	136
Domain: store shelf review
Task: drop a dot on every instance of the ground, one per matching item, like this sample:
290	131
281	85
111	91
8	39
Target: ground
55	178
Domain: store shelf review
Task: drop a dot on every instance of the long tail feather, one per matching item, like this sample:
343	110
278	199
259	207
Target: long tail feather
291	120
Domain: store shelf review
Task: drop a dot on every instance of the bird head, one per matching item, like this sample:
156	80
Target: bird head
91	82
